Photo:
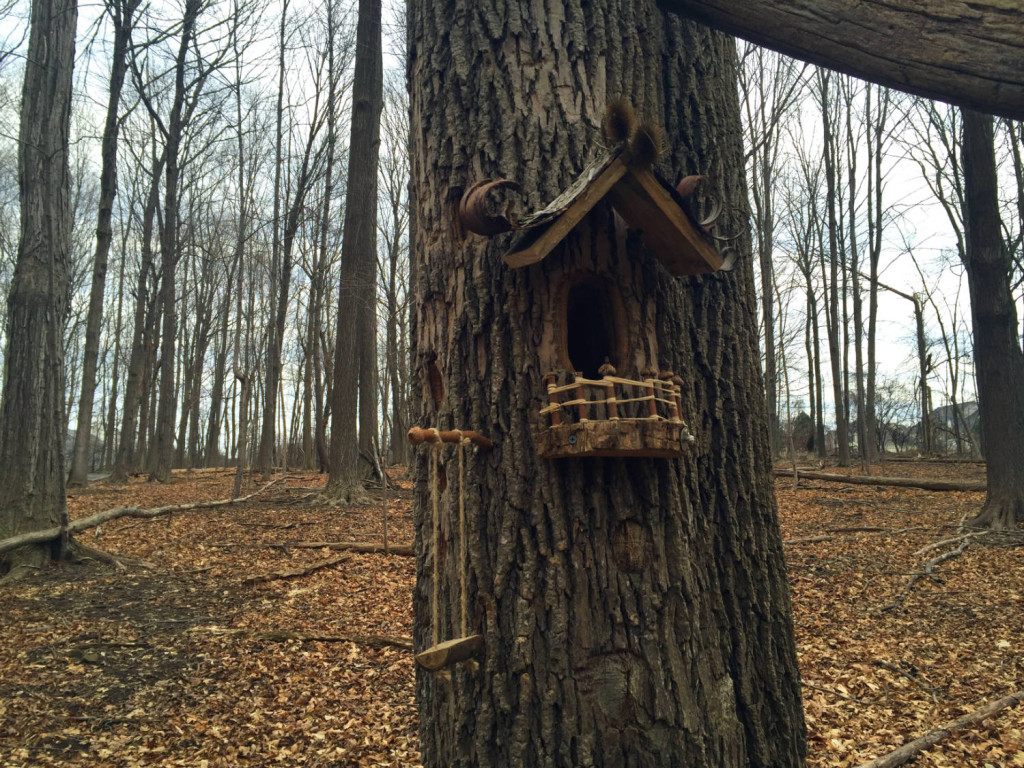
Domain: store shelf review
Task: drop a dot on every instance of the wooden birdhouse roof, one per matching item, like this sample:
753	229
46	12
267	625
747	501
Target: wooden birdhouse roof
644	200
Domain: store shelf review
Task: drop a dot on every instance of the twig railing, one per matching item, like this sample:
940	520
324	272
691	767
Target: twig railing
657	397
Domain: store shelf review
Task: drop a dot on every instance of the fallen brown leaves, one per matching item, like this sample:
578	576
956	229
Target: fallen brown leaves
182	664
875	679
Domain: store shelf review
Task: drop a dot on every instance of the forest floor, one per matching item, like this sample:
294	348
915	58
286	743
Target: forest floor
184	658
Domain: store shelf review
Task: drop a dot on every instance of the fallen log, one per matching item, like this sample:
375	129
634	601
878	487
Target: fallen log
902	482
82	524
910	749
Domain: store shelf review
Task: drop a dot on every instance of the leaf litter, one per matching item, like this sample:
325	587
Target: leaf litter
176	661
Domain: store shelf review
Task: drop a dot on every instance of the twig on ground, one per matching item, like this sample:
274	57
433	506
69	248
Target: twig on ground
290	573
373	641
927	571
912	677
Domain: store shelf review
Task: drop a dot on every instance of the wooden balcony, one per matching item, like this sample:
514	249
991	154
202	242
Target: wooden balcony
613	416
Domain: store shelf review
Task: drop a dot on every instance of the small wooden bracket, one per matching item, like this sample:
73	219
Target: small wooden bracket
449	652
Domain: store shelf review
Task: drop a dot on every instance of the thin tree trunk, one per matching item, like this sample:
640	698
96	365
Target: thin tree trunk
357	282
136	387
122	21
831	277
167	403
999	362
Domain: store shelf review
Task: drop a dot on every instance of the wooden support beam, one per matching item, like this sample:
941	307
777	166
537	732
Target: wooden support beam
969	54
449	652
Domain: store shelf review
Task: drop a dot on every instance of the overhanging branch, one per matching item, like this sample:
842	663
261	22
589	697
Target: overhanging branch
971	55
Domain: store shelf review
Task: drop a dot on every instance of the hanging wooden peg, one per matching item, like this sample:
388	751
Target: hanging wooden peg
444	654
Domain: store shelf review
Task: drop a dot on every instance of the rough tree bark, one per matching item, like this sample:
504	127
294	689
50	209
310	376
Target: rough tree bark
998	359
121	14
32	417
634	611
358	242
971	54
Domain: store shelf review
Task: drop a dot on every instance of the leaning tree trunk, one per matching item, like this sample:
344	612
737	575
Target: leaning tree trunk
635	612
998	359
121	15
32	417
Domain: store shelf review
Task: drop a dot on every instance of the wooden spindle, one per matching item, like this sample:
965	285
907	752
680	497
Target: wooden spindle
581	394
650	376
607	370
551	381
677	383
670	393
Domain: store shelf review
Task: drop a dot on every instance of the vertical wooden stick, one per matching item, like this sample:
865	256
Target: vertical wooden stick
607	370
581	395
551	379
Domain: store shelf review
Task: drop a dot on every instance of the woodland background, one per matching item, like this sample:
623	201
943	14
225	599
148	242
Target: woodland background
867	343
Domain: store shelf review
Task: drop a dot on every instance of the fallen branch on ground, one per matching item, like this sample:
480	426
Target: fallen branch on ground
927	571
38	537
930	739
902	482
936	544
290	573
404	550
372	641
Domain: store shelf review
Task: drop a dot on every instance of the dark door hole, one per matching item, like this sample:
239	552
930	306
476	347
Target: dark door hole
590	335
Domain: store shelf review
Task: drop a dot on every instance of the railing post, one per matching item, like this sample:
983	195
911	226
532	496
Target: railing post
606	370
666	378
581	394
551	380
677	383
650	376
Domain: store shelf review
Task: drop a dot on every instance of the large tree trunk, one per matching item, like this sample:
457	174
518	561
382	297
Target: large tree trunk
32	417
358	244
121	16
971	54
635	612
998	359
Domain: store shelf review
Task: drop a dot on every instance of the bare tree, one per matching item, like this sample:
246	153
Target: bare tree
769	85
121	13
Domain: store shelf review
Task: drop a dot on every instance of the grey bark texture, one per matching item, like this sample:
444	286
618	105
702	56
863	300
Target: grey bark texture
33	422
971	54
635	612
358	257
